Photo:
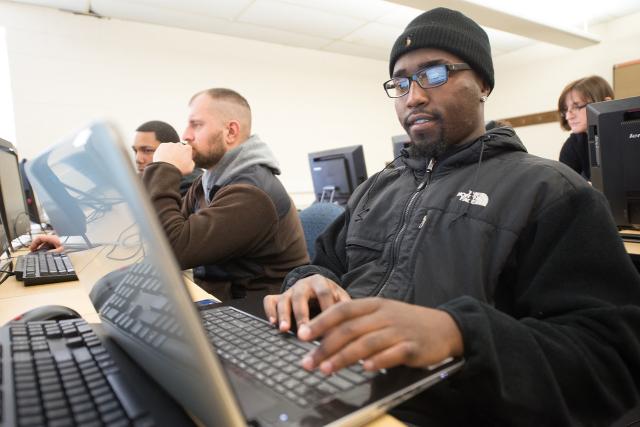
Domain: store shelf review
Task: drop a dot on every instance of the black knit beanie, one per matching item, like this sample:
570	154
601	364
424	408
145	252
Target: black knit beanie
452	32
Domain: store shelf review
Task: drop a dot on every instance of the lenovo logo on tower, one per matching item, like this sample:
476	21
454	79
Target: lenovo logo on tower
634	136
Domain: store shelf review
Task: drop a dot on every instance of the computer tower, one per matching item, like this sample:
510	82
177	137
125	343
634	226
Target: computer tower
614	153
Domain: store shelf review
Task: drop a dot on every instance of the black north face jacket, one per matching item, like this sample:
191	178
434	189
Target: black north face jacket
524	255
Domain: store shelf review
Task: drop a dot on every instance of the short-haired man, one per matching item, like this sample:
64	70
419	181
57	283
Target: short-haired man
237	225
471	247
149	136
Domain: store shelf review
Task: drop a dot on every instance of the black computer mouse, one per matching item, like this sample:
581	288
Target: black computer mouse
45	247
48	312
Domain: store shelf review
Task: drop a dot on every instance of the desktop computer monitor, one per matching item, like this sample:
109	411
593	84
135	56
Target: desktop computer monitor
336	173
66	204
13	206
399	142
33	207
613	132
5	255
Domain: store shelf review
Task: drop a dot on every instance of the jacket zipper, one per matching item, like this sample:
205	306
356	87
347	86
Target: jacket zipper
396	241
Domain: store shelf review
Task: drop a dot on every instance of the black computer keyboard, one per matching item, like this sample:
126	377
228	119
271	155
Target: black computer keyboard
61	375
41	268
273	358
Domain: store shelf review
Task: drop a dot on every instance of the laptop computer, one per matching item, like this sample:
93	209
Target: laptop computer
217	362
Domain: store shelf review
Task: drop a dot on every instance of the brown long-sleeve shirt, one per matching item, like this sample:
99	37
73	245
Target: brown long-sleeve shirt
248	236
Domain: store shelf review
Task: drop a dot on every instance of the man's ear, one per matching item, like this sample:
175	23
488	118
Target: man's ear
233	132
608	98
485	90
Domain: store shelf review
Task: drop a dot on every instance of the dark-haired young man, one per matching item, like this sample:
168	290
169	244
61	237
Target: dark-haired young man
148	137
236	225
470	247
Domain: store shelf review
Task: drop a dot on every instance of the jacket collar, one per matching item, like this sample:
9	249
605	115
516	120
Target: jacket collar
496	141
250	153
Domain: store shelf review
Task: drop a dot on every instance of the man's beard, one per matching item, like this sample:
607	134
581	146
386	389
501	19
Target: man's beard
429	149
428	144
214	153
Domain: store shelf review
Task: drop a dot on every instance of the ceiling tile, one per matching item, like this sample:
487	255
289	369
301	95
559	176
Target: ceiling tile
297	19
374	35
227	9
124	9
368	10
400	16
346	48
73	5
272	35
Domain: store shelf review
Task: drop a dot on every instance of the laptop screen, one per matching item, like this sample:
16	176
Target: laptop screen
89	188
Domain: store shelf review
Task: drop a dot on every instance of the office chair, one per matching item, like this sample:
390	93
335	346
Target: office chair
315	219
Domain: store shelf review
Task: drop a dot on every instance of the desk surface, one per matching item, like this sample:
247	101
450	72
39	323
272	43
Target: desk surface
15	298
633	248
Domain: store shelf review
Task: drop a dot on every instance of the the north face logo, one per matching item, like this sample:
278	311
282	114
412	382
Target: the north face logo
474	197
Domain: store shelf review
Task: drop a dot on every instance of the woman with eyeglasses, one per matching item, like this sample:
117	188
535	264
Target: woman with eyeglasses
573	116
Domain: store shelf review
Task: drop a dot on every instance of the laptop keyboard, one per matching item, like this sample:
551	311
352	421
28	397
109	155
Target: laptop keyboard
252	346
63	376
154	325
40	268
263	353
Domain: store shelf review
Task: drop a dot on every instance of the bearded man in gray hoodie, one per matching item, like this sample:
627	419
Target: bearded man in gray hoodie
236	226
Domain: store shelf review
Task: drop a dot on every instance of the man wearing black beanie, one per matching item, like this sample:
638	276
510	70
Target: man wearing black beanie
470	247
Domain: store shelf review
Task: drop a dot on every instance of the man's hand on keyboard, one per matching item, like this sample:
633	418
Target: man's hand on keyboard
382	333
300	298
46	242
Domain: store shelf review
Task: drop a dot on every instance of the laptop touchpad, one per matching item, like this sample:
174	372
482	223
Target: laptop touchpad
251	398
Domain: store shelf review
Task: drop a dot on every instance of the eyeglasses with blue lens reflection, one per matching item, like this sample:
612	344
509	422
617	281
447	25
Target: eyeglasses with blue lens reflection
431	76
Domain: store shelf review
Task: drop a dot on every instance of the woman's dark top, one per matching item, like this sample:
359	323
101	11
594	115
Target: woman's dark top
575	154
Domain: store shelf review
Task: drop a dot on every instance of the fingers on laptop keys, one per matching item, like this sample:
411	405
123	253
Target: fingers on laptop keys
303	298
380	332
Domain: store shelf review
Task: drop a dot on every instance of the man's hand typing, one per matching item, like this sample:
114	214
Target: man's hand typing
310	290
383	333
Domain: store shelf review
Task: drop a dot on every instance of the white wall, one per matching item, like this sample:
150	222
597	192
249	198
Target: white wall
7	122
531	79
68	69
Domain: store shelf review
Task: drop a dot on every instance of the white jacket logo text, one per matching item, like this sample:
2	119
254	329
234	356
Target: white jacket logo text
474	197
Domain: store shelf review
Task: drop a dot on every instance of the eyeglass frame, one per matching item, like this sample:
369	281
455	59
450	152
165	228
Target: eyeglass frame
460	66
573	109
